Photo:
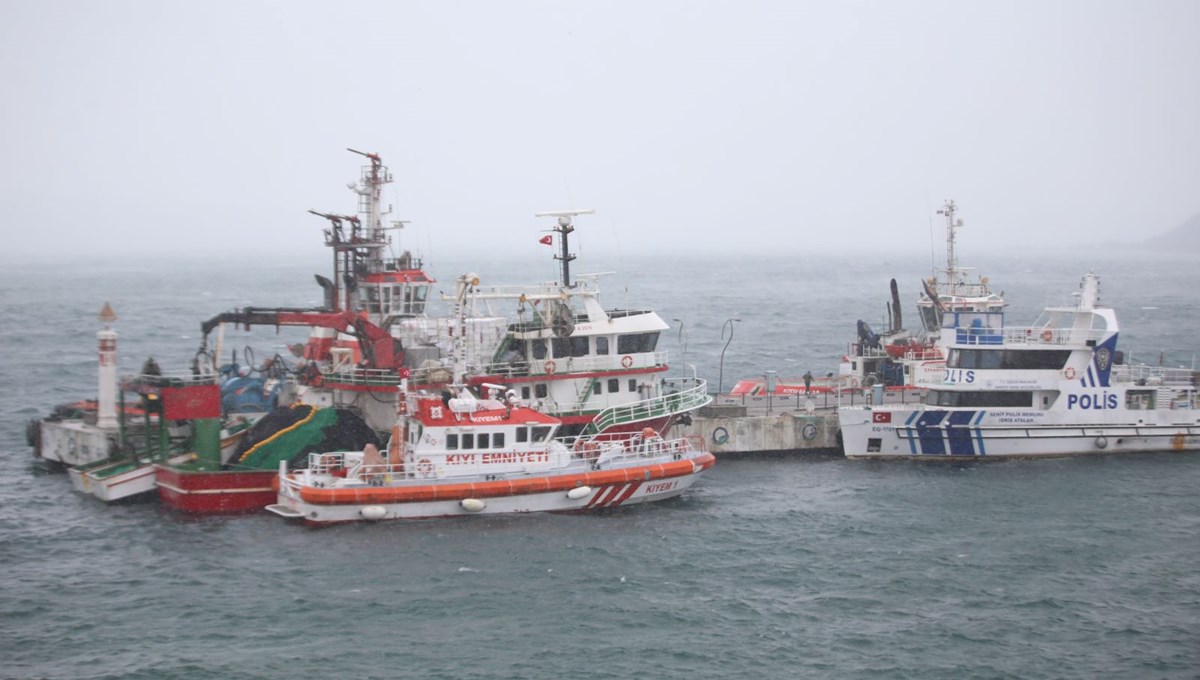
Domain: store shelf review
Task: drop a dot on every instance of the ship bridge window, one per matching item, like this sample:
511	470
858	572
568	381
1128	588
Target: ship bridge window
540	433
602	345
419	295
538	348
522	435
637	342
929	317
570	347
468	441
989	399
498	440
1012	359
452	442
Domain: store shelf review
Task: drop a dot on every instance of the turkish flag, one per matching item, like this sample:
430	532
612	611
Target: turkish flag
881	417
546	240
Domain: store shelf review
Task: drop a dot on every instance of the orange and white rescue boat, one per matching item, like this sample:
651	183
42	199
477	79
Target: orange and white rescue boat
468	456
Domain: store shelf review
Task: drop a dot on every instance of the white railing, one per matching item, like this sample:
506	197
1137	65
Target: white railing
1153	376
691	395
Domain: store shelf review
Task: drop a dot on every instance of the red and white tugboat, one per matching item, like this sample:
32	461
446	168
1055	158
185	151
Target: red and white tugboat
465	455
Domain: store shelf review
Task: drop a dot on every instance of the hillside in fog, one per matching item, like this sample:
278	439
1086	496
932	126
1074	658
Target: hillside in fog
1183	238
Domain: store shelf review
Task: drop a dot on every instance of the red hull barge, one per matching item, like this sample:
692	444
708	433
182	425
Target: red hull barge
224	492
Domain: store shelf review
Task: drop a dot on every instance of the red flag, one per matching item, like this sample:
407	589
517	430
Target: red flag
194	401
546	240
881	417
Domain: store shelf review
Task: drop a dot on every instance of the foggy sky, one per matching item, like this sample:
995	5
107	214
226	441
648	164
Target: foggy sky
745	126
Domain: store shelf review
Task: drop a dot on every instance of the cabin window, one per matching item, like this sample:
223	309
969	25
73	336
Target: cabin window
950	398
614	384
522	435
579	346
468	441
874	445
1139	400
540	390
602	345
561	347
637	342
538	348
633	384
452	442
420	293
540	433
596	387
1028	359
525	392
481	441
498	440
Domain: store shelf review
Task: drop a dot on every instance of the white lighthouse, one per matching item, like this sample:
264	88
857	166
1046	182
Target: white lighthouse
106	411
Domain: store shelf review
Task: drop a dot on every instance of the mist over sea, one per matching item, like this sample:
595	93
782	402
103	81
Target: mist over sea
768	568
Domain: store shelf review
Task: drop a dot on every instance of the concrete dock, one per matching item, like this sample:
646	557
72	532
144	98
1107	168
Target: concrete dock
778	425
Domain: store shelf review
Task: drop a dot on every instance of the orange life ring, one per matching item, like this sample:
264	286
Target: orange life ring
549	366
626	361
1069	373
1047	336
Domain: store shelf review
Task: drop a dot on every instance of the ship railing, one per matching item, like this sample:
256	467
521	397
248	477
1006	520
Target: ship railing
1153	376
679	395
182	378
1044	335
588	364
365	377
633	449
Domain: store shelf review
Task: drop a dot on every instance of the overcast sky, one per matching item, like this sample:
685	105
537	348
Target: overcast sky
173	127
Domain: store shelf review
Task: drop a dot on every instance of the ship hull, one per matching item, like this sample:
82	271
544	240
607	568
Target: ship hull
215	493
919	434
556	493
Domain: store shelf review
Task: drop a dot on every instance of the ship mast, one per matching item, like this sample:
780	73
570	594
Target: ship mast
949	210
565	227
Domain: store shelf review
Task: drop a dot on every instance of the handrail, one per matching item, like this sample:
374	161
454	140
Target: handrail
688	399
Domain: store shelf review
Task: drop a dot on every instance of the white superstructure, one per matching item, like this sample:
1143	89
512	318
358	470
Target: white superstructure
1058	387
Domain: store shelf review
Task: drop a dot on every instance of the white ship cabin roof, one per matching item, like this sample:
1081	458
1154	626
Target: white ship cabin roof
463	411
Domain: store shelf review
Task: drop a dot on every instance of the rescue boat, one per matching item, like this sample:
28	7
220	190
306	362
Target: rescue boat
467	455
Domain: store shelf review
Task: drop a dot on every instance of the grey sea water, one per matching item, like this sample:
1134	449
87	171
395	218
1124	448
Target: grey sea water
769	568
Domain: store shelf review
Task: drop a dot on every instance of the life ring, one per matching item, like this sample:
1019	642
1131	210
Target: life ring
425	468
720	435
549	366
626	361
809	431
1069	374
1047	335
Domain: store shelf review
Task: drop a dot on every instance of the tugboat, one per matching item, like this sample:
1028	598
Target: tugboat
1058	387
463	455
562	349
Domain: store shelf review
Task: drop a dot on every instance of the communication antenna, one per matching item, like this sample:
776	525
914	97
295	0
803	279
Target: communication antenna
563	228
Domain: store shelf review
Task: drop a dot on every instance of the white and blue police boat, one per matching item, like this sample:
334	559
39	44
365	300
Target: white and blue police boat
1056	388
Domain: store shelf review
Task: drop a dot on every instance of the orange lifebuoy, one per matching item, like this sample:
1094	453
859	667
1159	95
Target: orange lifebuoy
626	361
1069	373
1047	335
549	366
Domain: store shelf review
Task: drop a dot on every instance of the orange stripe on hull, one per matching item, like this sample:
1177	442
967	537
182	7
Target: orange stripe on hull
501	488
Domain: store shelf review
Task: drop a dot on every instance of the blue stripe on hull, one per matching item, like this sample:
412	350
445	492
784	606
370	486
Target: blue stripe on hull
958	431
930	433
